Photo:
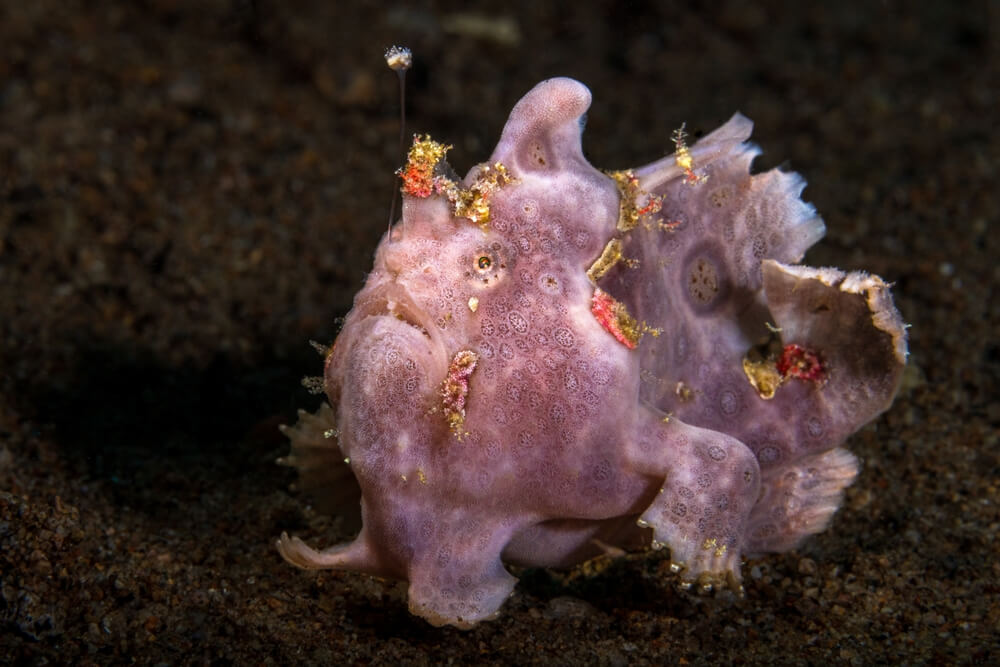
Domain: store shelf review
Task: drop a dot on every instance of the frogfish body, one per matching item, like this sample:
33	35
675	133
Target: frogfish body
548	359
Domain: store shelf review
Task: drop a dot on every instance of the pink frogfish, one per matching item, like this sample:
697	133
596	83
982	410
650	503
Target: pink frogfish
549	362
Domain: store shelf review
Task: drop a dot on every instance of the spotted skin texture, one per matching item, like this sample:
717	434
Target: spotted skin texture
572	440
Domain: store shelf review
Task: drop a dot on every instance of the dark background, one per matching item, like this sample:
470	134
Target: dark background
190	191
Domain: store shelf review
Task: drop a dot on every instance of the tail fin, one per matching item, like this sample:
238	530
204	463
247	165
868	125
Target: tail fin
798	500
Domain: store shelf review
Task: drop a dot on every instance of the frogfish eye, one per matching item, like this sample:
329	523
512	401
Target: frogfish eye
488	265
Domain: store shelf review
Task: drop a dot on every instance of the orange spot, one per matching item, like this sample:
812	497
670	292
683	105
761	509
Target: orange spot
421	162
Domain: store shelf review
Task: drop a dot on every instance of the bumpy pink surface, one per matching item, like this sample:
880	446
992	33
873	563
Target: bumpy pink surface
570	440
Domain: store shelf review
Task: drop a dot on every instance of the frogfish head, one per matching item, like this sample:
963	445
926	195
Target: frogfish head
513	238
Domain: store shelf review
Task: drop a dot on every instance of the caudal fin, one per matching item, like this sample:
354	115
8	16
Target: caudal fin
799	499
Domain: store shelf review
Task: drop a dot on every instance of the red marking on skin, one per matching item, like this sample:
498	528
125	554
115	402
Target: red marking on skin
797	361
417	180
421	162
612	316
455	389
654	206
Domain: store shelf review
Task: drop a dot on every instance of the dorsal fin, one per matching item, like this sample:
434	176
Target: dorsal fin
544	128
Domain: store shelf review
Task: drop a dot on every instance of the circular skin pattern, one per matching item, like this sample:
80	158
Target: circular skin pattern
717	453
517	322
537	156
549	284
729	402
564	337
721	196
529	210
814	430
602	471
768	454
706	280
535	400
500	415
815	427
557	413
601	375
703	281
